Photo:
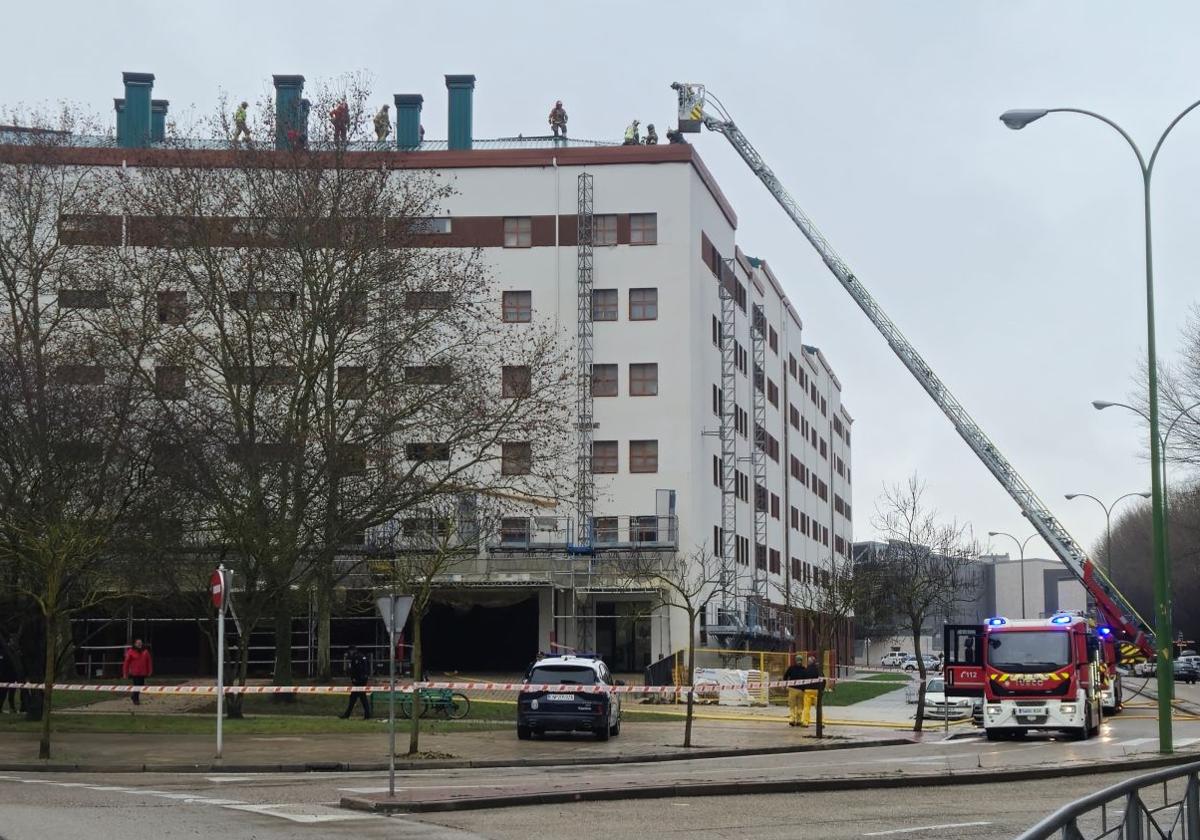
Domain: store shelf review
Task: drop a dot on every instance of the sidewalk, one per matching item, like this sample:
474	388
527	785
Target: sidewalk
640	741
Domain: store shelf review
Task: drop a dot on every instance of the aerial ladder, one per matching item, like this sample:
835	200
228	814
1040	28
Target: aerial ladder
697	108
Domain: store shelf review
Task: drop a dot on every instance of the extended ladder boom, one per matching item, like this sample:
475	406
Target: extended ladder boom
1114	608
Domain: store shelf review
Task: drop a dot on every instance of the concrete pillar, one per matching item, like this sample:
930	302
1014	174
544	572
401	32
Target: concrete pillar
158	120
137	122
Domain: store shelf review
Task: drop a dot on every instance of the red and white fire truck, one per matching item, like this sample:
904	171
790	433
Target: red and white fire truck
1055	673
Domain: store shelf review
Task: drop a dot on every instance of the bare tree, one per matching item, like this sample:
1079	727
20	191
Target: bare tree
424	548
688	583
325	363
927	565
75	420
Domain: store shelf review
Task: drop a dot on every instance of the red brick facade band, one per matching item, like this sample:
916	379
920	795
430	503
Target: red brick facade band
465	232
473	159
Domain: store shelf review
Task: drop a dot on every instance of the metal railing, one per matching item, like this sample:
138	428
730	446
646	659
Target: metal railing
1131	810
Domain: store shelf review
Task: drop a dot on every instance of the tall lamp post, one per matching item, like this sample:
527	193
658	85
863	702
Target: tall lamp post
1020	545
1108	509
1016	120
1100	405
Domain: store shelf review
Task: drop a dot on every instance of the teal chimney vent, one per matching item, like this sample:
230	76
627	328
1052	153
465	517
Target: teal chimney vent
119	107
136	113
158	120
289	125
408	120
461	90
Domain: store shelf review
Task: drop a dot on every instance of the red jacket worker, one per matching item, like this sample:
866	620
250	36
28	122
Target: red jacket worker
137	666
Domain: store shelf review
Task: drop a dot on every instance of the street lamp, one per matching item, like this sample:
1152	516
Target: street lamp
1162	574
1108	509
1021	545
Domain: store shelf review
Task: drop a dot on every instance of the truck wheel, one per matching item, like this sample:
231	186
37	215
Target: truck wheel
993	734
524	733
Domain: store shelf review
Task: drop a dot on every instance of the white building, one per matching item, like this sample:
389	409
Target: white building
663	235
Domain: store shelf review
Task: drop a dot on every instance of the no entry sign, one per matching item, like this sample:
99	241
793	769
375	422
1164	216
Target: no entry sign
218	588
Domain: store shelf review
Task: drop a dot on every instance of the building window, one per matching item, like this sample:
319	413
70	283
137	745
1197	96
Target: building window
643	304
170	382
718	473
792	365
516	458
774	506
772	393
760	498
518	232
643	529
773	339
773	564
643	379
83	299
643	456
643	228
604	230
79	375
760	556
605	528
426	300
262	300
517	307
716	331
604	456
430	225
428	375
351	383
604	304
796	570
795	519
172	307
794	416
427	451
604	380
515	381
824	408
718	400
795	465
514	530
824	449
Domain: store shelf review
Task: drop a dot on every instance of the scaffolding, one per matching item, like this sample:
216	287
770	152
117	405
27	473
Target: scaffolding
758	457
729	575
584	488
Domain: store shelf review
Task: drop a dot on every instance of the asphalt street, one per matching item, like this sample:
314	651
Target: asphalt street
36	806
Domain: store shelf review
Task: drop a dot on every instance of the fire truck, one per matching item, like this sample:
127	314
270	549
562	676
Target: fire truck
1056	673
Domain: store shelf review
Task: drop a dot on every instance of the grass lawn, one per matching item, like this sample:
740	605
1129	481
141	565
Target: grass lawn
849	693
256	725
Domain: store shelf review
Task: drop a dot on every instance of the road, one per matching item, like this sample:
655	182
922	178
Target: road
35	806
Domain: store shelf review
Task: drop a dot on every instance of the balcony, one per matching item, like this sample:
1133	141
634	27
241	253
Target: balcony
609	533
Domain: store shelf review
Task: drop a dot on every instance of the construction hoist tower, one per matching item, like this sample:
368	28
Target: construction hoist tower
729	571
758	460
584	487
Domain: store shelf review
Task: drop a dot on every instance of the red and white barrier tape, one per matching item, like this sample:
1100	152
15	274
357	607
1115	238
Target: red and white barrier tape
211	690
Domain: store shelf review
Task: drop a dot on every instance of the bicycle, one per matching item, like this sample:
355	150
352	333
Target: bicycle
453	705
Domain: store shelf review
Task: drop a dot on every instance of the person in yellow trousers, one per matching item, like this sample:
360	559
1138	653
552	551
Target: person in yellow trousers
811	692
795	671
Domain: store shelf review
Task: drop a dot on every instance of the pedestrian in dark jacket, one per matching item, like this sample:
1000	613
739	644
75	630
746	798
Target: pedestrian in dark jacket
7	674
358	666
795	671
137	666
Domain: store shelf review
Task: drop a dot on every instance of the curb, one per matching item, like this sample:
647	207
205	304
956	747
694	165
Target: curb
969	777
449	764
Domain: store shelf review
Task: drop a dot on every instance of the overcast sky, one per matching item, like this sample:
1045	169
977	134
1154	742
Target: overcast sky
1012	261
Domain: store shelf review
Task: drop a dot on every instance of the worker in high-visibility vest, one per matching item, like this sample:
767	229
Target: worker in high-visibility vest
383	124
631	134
795	693
239	123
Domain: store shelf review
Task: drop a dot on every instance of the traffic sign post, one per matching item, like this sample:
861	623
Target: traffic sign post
393	609
220	597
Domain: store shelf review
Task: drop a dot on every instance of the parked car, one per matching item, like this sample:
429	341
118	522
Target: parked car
566	710
894	659
937	705
1144	669
1186	671
932	663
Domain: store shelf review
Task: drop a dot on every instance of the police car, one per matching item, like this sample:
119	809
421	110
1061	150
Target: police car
566	710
